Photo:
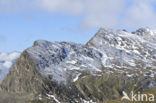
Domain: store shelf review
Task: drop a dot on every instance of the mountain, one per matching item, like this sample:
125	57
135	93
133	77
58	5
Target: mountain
135	51
113	61
125	49
62	60
6	62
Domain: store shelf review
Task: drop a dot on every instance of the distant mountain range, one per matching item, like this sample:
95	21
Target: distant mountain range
113	61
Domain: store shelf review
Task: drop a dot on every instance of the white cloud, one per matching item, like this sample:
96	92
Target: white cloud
9	56
140	14
73	7
94	13
6	62
7	6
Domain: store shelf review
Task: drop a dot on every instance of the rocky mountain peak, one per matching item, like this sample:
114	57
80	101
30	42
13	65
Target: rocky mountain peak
144	31
41	43
59	60
70	72
126	50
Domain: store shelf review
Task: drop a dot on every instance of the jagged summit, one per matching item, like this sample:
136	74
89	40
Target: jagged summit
41	43
66	72
59	60
108	48
139	32
144	31
126	47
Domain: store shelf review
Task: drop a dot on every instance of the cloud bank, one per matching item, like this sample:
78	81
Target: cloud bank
6	62
94	13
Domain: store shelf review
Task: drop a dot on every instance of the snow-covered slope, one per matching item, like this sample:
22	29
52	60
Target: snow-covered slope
70	72
127	49
134	50
62	60
6	62
117	50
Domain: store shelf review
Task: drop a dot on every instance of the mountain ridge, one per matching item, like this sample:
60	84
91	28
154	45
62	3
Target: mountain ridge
69	72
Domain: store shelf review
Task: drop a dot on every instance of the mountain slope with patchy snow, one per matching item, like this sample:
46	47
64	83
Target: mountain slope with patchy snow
111	62
136	50
62	60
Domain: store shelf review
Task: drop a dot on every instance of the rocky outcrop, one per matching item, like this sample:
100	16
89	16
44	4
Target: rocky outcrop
22	82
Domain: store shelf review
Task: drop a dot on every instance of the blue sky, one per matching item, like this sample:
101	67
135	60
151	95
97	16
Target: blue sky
23	22
19	31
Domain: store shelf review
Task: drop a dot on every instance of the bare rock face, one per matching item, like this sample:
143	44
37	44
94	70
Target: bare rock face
63	72
22	81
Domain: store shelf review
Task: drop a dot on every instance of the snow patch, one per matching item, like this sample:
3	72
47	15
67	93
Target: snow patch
77	77
53	97
85	101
